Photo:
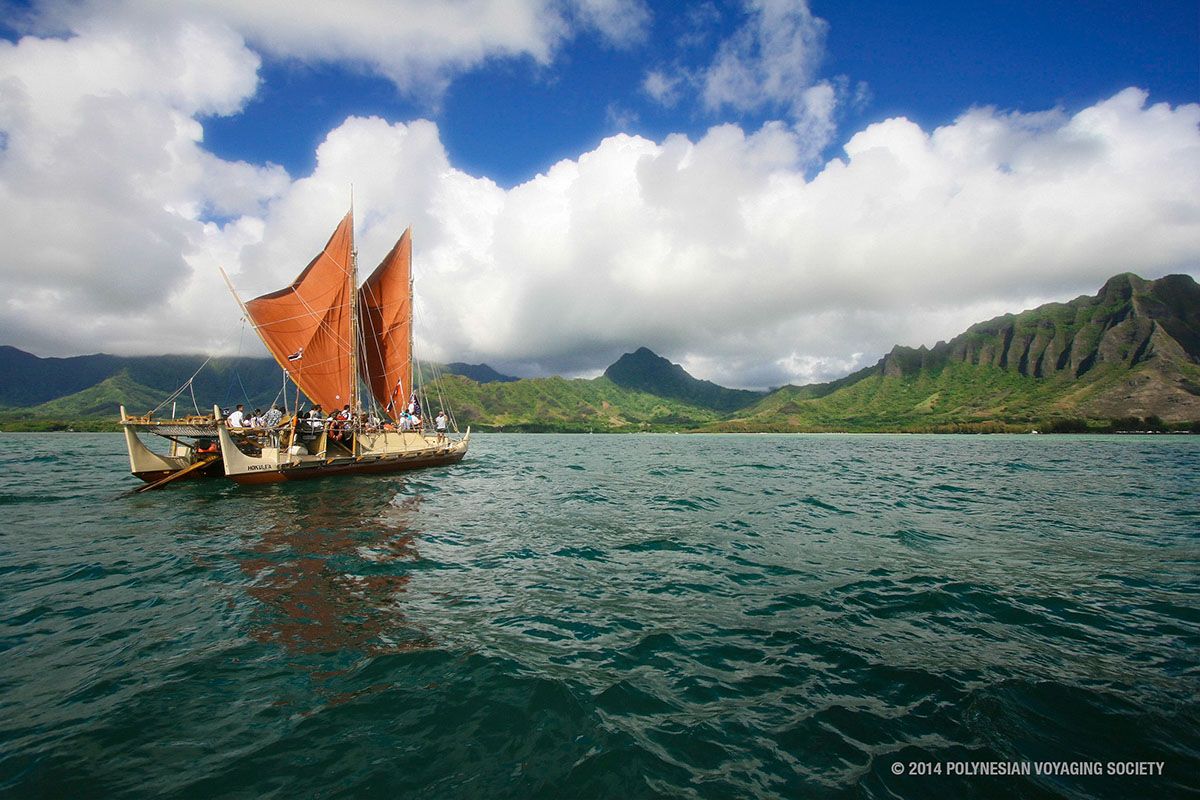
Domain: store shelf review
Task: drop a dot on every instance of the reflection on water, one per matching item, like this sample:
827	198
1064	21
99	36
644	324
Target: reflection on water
575	616
330	572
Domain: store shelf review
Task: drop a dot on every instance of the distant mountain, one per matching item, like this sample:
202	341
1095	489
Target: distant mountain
480	373
1130	322
561	404
1134	348
66	386
102	400
26	380
1131	351
645	371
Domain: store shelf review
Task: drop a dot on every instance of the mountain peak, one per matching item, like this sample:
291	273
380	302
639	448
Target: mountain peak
480	373
1132	325
1122	287
644	370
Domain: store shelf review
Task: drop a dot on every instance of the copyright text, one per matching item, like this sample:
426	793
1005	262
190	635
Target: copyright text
973	768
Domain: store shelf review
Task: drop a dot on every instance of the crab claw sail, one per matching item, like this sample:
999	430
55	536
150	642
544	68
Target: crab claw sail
307	325
385	316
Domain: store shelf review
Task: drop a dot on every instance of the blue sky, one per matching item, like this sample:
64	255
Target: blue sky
928	61
767	191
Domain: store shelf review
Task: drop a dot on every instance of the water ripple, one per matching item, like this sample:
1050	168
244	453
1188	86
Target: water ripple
575	616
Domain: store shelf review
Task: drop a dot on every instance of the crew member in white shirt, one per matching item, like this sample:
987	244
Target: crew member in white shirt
237	419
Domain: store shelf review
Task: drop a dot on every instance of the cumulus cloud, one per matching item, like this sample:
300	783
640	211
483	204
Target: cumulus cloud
722	254
102	175
418	45
727	252
106	190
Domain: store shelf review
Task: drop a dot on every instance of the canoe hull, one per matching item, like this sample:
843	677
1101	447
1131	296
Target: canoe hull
374	466
213	470
251	456
370	454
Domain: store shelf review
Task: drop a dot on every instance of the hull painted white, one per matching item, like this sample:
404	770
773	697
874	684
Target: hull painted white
390	451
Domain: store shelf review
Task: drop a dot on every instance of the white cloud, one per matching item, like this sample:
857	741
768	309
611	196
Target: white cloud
418	45
102	176
662	87
105	184
622	22
768	64
620	118
720	253
769	61
717	252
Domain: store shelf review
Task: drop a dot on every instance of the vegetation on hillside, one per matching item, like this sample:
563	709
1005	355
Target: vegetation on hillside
1125	359
559	404
645	371
953	398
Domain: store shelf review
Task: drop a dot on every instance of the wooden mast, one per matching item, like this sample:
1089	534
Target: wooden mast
412	324
355	333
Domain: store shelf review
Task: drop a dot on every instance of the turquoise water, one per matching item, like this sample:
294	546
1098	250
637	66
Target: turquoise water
607	616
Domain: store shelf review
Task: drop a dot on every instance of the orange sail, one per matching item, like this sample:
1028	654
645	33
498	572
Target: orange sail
385	316
307	326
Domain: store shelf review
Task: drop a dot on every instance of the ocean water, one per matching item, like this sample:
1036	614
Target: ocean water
609	616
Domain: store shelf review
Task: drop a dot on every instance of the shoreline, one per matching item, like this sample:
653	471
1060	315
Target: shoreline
104	428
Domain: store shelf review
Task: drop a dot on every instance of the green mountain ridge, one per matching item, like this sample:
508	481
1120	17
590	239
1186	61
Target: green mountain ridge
68	388
93	408
29	381
101	399
562	404
1131	352
645	371
480	373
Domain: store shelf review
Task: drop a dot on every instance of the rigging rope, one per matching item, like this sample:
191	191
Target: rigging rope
233	372
179	391
435	381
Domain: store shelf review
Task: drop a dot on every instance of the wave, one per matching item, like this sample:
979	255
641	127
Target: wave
712	621
34	499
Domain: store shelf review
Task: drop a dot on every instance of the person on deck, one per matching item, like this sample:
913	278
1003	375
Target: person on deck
439	424
237	419
339	429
